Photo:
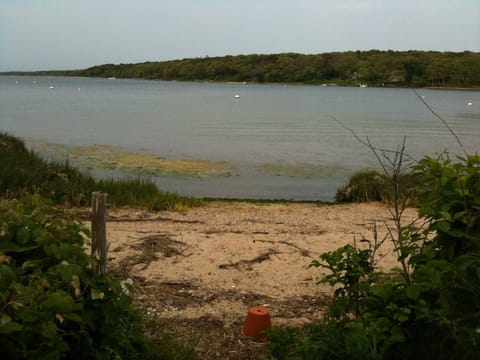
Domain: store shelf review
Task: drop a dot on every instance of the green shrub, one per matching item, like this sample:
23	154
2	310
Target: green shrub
51	305
372	185
363	186
428	307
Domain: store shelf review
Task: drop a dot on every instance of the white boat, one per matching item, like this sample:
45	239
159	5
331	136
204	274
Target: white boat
363	85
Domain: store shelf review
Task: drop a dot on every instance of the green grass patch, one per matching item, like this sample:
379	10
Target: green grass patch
373	185
23	171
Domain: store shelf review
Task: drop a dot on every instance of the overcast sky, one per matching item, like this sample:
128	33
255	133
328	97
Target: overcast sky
74	34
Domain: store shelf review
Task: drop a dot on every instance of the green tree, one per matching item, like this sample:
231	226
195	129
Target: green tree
466	69
414	66
439	70
411	68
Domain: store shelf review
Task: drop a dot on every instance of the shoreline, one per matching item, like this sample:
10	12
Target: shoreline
203	179
243	83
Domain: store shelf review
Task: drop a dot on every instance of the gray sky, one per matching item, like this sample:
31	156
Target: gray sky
74	34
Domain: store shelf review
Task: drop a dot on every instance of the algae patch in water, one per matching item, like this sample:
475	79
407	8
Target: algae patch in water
141	163
306	171
153	165
147	163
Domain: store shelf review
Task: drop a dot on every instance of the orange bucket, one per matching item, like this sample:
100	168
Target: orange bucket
257	322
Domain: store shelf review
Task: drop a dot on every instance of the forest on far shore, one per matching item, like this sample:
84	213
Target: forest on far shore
373	68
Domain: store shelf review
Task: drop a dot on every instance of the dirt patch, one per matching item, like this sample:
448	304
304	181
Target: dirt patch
197	273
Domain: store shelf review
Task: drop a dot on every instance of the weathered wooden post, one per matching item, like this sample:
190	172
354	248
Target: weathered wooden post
99	234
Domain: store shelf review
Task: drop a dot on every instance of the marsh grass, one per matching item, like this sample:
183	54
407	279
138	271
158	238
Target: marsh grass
373	185
143	193
23	171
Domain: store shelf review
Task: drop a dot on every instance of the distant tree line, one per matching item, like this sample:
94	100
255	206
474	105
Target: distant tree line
374	67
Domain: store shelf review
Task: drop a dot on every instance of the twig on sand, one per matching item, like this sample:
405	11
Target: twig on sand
256	260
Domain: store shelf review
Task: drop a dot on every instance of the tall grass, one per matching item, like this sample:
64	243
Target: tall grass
372	185
143	193
23	171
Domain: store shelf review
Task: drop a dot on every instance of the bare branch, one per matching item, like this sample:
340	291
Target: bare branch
443	121
367	143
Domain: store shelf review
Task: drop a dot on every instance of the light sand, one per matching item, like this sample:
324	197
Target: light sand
209	264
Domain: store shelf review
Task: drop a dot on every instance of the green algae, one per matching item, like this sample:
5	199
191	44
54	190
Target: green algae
306	171
110	157
147	163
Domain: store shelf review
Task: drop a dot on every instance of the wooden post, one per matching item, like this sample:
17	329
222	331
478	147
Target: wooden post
99	235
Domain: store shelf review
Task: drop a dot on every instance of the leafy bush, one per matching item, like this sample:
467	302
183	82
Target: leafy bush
350	271
426	308
51	305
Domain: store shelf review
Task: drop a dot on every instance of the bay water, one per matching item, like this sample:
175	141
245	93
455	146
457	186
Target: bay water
281	142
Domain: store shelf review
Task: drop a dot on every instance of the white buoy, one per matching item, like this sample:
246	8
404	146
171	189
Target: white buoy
237	96
51	87
469	103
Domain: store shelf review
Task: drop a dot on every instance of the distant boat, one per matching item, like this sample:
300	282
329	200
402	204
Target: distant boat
112	78
237	96
363	85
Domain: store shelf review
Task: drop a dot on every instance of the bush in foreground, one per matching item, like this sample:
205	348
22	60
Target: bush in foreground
51	305
427	307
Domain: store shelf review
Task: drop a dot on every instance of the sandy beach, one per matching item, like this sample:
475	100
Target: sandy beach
196	273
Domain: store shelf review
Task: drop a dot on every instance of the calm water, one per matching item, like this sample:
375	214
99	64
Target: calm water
280	126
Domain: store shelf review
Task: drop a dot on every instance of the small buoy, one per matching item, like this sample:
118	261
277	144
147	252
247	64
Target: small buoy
237	96
469	103
51	87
